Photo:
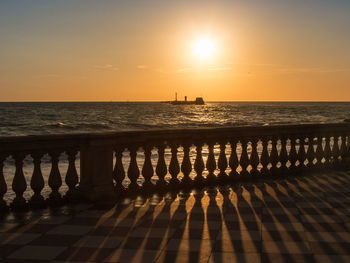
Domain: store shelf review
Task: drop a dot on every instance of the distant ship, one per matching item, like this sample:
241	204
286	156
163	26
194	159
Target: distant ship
198	101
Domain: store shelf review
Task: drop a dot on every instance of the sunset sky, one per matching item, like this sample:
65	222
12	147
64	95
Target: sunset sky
89	50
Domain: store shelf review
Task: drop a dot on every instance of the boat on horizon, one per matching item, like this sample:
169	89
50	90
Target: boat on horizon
197	101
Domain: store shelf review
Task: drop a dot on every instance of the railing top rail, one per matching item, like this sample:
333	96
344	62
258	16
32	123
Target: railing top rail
14	143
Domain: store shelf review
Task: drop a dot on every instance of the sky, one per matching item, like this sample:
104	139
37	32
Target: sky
89	50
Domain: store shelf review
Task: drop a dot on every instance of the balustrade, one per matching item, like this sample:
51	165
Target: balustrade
219	156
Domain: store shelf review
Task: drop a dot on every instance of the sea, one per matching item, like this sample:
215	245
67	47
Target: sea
35	118
41	118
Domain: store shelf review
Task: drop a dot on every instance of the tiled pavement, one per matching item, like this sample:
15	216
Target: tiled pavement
303	219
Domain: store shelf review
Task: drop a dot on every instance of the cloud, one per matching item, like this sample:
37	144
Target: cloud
220	69
312	70
106	67
142	66
47	76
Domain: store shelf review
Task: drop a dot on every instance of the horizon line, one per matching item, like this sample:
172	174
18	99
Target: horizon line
164	101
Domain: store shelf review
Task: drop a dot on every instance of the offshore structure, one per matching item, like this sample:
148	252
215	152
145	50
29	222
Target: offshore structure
197	101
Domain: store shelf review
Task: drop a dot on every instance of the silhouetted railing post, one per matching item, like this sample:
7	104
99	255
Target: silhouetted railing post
233	161
284	157
336	151
37	182
310	153
186	168
133	172
211	165
174	168
301	153
244	160
96	171
55	180
254	159
72	177
254	150
3	186
161	170
222	163
264	159
19	184
147	171
118	171
274	157
319	152
327	152
199	166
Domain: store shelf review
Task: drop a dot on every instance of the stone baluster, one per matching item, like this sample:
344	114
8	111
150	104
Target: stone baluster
264	159
174	168
211	165
222	163
55	180
37	182
119	172
133	172
319	152
147	172
301	153
274	157
335	150
327	152
254	158
3	185
19	184
283	157
244	160
293	157
310	153
186	167
343	151
161	170
72	178
233	161
199	166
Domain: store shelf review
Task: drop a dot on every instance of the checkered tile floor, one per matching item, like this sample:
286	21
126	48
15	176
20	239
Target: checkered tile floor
304	219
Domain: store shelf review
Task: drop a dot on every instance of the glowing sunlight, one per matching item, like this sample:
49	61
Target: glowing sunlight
204	48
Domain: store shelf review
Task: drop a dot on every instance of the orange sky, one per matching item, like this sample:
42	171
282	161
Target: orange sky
137	51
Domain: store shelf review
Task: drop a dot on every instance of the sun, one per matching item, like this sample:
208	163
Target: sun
204	48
